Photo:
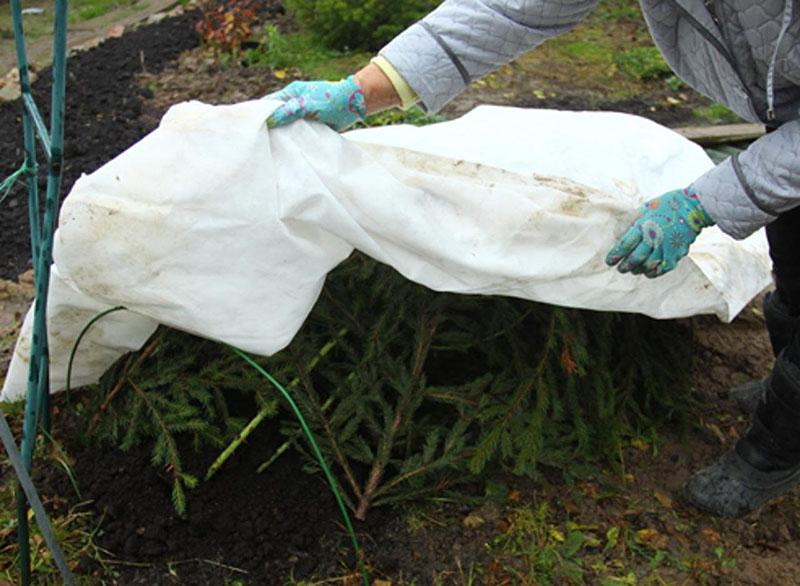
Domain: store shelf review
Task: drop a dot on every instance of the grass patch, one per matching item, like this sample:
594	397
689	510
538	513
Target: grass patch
40	25
74	526
304	53
536	548
609	55
716	113
83	10
611	10
588	51
643	63
413	116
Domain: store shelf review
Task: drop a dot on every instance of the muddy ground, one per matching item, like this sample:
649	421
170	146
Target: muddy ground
283	526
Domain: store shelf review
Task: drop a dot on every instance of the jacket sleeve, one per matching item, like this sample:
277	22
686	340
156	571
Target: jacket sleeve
463	40
749	190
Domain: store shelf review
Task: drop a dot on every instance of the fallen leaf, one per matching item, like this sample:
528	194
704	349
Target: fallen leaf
570	507
652	538
556	534
710	535
473	521
713	427
664	499
279	73
639	444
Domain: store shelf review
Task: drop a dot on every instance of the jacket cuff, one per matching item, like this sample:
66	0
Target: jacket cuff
729	200
425	63
408	96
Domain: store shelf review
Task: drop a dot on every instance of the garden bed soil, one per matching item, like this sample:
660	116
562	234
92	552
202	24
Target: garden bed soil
283	524
103	118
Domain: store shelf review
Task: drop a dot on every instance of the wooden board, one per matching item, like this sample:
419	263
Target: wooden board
711	135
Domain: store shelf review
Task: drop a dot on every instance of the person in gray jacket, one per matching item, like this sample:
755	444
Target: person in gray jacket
742	53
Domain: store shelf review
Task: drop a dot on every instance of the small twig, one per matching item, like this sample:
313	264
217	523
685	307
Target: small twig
125	563
211	562
278	453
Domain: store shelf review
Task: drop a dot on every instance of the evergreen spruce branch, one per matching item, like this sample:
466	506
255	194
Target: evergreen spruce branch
441	484
355	324
110	397
508	328
453	444
341	459
425	335
287	444
498	436
130	367
268	409
530	441
173	462
133	428
263	413
448	397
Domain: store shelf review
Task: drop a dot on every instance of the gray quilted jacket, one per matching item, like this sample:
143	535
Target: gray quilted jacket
743	53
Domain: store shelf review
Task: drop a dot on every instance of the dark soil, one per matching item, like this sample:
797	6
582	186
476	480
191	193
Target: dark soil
103	109
263	528
649	105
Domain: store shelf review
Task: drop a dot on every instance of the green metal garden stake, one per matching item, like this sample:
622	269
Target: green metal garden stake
52	141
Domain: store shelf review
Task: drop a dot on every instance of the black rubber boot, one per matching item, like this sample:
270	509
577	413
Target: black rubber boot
781	325
766	462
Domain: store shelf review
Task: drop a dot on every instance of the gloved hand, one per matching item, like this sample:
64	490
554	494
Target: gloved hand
338	104
661	236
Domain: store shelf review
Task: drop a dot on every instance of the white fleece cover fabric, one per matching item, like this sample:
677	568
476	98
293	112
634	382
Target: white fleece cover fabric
215	225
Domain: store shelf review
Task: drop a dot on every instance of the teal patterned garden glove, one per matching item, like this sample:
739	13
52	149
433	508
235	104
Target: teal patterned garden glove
661	236
338	104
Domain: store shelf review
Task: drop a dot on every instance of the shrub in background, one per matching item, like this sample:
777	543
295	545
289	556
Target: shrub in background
224	27
359	24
